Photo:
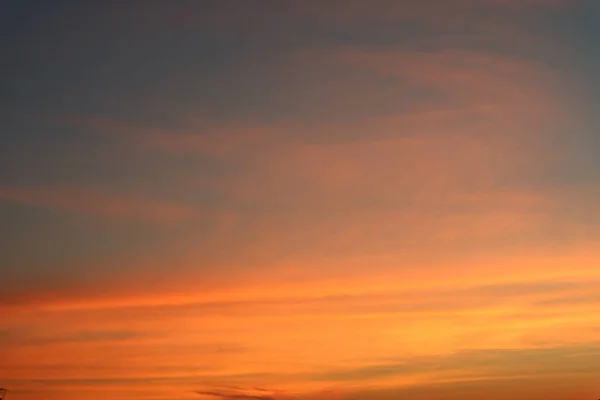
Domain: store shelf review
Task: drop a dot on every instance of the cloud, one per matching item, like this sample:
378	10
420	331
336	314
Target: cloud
92	202
329	12
423	327
238	394
23	337
484	364
388	283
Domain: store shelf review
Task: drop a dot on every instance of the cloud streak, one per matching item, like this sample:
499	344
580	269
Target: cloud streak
237	394
96	203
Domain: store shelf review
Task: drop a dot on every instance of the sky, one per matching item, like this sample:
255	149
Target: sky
300	199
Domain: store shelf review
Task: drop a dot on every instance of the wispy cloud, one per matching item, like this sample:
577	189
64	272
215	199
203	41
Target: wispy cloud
94	202
238	393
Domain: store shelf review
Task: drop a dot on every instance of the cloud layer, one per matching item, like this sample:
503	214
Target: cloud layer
302	200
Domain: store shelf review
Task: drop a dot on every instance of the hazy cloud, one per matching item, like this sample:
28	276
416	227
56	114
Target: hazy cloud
97	203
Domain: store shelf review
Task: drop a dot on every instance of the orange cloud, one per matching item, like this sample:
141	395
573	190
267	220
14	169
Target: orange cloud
422	335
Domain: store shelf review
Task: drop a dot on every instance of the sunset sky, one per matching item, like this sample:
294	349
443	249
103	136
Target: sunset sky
300	199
